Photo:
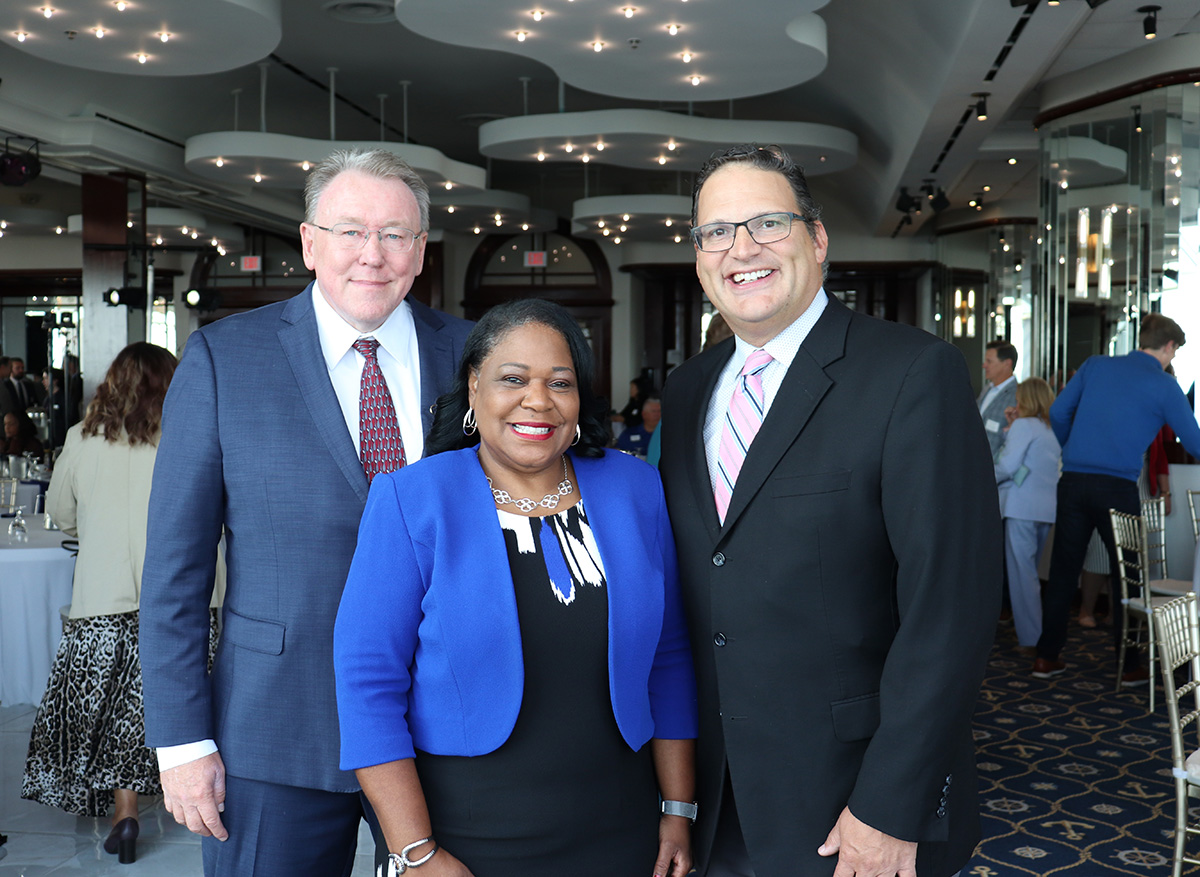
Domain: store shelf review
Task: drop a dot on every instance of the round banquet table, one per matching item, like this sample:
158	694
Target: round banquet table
35	584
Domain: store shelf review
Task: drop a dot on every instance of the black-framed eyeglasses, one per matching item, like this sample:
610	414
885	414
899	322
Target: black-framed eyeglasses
393	238
716	237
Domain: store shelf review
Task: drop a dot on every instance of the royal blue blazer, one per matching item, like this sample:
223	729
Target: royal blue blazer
427	643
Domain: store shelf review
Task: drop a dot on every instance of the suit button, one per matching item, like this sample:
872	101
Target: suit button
941	812
719	639
718	559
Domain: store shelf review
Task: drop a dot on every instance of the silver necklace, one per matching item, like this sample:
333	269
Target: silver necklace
525	504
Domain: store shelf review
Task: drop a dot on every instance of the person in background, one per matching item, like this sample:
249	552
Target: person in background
636	440
631	415
20	435
999	363
1104	419
514	681
1027	475
26	388
87	750
56	406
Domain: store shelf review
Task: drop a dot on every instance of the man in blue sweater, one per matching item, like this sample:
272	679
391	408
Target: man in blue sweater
1105	418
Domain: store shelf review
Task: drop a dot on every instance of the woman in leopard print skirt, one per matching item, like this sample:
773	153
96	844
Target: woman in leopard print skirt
87	748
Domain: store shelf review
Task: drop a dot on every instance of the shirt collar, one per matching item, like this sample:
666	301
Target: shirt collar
337	336
783	347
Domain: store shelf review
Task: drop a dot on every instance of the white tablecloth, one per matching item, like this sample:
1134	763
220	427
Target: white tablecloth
35	583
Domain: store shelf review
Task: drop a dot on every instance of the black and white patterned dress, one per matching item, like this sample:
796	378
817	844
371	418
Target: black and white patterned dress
565	793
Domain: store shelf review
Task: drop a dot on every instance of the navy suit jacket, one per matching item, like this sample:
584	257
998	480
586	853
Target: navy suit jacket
254	443
841	615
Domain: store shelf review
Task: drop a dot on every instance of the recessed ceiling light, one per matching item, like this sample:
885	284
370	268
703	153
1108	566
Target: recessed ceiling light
672	29
163	35
623	228
537	14
258	178
568	147
599	223
678	238
616	240
687	57
669	222
450	209
662	159
476	229
987	188
220	162
142	57
449	185
48	11
629	10
599	145
521	36
695	80
121	5
100	33
585	158
625	218
1012	161
597	46
524	226
58	229
541	156
305	165
671	144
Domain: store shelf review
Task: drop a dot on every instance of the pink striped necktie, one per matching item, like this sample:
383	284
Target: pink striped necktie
381	448
745	415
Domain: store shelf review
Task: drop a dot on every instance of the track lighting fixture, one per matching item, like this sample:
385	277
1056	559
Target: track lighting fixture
1150	22
1137	119
906	203
940	202
981	105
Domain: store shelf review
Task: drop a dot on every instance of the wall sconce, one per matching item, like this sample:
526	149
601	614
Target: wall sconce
964	313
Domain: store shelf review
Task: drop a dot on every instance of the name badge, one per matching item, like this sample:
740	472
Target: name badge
991	425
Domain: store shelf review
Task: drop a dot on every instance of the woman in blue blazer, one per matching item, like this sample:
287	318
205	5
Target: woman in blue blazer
1027	469
502	660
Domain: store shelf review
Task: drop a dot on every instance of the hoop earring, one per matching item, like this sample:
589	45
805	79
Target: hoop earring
578	435
469	425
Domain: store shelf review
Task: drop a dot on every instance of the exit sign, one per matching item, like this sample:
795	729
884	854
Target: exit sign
535	258
251	263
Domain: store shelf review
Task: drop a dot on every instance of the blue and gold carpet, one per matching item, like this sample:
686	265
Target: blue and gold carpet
1074	779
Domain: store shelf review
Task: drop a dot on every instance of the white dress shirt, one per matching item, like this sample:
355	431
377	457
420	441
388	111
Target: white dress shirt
783	348
400	362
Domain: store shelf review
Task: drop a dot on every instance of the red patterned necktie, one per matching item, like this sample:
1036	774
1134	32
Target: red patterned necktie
380	446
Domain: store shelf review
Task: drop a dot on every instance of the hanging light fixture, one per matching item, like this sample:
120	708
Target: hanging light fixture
1150	22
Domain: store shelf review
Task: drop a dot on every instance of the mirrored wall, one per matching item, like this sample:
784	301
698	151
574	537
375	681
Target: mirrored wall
1119	233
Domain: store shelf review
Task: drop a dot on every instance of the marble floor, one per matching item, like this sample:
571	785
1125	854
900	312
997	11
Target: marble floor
44	841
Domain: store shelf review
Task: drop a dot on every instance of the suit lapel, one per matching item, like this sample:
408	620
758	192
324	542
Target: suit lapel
692	420
437	358
302	347
801	391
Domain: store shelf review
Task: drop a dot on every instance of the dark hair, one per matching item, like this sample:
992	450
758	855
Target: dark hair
447	432
1004	350
131	397
1157	330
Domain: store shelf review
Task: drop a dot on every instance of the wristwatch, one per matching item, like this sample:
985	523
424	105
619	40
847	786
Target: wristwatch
680	808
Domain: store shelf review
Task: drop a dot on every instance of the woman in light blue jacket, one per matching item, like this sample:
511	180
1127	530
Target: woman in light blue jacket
1027	469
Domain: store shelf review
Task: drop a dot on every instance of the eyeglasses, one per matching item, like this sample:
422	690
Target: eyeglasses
716	237
348	236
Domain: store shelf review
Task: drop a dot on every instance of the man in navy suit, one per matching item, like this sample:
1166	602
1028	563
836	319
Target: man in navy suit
261	442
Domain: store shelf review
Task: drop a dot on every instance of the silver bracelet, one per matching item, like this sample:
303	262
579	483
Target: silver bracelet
680	808
398	863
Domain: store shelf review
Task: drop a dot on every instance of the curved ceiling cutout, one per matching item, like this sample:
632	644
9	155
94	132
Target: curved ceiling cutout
104	37
279	160
644	218
639	57
649	139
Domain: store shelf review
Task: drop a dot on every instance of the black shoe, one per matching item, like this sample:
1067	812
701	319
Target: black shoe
122	840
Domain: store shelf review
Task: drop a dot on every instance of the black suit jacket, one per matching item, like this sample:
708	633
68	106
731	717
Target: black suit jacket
841	617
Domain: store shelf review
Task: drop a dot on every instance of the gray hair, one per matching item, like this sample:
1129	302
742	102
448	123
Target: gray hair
378	163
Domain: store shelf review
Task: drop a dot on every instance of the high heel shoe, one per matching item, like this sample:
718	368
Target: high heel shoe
122	840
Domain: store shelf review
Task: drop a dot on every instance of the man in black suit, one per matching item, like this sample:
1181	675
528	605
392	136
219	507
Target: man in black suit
842	607
27	392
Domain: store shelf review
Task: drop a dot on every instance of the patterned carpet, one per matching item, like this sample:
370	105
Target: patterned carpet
1074	778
